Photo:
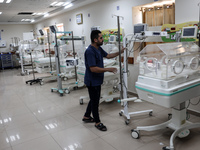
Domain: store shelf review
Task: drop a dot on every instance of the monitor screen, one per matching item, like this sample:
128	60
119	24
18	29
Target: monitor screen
53	29
138	28
189	32
41	32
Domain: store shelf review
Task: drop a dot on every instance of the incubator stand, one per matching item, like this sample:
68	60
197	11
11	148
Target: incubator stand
169	76
25	58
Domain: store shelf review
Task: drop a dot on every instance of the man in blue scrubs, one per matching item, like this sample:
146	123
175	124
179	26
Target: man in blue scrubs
94	76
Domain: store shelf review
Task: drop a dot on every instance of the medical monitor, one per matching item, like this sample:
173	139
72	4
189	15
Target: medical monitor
41	32
189	32
139	28
95	28
53	28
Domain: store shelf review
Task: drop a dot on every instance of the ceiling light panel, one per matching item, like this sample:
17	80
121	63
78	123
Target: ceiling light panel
1	1
57	4
8	1
54	3
68	6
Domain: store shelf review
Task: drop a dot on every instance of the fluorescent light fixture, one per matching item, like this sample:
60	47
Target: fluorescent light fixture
68	6
26	20
8	1
32	20
0	13
1	1
59	3
52	4
66	3
47	14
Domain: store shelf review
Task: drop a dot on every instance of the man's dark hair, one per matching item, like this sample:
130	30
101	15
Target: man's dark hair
94	35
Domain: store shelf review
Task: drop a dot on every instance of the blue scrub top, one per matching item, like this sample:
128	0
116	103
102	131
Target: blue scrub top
94	58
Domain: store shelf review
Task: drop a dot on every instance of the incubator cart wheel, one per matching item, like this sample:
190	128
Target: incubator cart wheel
81	101
61	94
26	82
166	148
41	82
67	91
169	116
76	87
30	83
127	122
135	134
187	116
65	78
51	90
121	113
151	113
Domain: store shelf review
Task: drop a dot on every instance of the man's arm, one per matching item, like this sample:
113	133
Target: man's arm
102	70
112	55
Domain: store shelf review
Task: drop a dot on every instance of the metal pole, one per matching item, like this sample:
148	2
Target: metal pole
199	21
59	81
74	54
49	50
120	58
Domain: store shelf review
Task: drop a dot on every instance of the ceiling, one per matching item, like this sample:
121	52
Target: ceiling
10	11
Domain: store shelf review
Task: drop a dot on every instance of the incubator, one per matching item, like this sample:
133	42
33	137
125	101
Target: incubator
168	70
169	76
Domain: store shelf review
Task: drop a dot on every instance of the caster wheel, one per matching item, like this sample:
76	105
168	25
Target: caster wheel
166	148
81	101
67	91
26	82
120	113
51	90
65	79
30	83
135	134
61	94
127	122
151	113
41	83
75	88
169	116
187	116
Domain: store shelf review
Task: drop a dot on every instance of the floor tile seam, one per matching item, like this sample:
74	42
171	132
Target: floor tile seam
28	140
108	143
147	143
110	132
51	134
97	139
8	138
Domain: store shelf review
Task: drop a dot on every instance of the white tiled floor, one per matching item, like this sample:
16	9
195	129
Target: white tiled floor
33	118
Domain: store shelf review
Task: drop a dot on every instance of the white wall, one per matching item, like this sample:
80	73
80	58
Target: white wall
13	30
186	10
100	15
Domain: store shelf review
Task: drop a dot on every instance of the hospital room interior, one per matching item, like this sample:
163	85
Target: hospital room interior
152	102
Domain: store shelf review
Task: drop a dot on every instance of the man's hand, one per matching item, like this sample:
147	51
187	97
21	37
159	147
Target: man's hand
123	49
113	70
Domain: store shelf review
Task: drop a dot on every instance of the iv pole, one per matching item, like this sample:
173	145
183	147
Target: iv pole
120	58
